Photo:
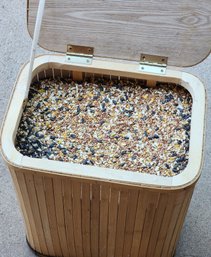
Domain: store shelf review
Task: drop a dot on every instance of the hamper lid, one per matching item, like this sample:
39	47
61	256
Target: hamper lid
123	29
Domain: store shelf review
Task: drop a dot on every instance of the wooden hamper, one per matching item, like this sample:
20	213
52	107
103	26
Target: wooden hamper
83	211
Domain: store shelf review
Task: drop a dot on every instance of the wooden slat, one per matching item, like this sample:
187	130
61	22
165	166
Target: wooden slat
112	223
164	229
95	220
104	203
68	212
139	222
60	217
49	73
158	218
86	219
125	29
36	212
76	191
130	221
152	202
180	221
66	73
151	83
39	186
77	75
121	222
57	73
171	227
50	202
23	204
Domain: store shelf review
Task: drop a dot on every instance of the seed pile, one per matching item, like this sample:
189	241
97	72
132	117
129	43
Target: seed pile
114	124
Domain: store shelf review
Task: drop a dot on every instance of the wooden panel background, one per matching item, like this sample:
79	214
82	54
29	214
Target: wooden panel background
83	218
180	30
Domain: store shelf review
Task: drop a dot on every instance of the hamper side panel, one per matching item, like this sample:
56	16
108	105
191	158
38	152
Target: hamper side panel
77	212
18	186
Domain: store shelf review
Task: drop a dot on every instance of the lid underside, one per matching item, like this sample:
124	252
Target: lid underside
179	30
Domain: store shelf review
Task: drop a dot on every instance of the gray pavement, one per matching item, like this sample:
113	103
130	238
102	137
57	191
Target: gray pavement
195	240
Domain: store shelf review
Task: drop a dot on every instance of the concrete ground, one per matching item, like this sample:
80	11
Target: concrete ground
195	240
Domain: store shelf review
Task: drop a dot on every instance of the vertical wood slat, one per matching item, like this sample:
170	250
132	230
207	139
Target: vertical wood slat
104	207
77	75
77	226
158	218
113	210
164	230
50	203
121	221
173	221
152	201
130	221
49	73
180	221
86	219
66	74
18	187
95	220
57	73
42	75
139	223
38	181
36	211
27	201
60	218
68	212
66	216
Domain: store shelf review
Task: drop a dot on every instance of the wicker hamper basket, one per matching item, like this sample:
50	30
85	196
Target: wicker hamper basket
77	210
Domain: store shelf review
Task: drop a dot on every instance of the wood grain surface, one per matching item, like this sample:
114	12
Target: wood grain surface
66	217
179	30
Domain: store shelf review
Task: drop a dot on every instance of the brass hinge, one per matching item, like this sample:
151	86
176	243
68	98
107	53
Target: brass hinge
153	63
79	54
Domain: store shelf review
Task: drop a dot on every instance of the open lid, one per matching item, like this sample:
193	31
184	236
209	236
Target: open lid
179	30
